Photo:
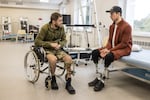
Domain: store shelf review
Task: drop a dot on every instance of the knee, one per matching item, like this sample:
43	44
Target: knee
95	52
52	59
67	59
109	57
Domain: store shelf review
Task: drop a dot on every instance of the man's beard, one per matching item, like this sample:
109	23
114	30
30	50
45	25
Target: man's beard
57	26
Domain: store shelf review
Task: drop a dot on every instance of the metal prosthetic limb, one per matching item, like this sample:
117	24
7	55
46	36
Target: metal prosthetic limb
102	75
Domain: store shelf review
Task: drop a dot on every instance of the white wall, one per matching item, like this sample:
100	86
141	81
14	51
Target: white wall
102	6
30	5
103	17
31	14
68	8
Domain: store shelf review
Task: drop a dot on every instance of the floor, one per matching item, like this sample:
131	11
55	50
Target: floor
14	86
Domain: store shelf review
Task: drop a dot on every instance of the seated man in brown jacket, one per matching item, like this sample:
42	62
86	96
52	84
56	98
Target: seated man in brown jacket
119	44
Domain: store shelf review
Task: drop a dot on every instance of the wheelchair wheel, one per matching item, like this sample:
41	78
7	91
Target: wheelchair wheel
32	66
59	70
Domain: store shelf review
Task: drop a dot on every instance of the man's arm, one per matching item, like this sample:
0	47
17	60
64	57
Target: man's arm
63	40
109	45
39	41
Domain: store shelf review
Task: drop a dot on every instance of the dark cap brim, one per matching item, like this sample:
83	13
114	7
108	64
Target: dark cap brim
108	11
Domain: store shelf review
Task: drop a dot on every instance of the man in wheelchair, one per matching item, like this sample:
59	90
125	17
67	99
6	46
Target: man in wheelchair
52	38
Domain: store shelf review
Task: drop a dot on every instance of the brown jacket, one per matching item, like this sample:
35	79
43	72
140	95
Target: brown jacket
123	40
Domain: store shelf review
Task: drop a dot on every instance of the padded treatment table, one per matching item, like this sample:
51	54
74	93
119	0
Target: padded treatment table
141	62
9	36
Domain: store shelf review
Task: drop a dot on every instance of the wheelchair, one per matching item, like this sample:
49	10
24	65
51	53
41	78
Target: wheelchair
36	63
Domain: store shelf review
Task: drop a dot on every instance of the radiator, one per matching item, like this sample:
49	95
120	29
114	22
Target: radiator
75	40
143	44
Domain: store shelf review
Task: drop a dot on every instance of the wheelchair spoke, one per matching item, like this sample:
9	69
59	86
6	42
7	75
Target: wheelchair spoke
60	67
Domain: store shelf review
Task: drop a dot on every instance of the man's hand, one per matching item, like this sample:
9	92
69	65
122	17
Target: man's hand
58	47
104	52
55	46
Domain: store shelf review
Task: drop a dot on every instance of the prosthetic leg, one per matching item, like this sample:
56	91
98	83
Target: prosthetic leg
101	77
99	82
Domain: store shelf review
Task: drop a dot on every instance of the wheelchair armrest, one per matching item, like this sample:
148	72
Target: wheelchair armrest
65	50
41	53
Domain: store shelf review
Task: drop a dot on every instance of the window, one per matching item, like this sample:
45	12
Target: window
82	12
142	16
138	15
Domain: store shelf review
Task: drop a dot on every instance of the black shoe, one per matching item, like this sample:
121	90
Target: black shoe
99	86
93	83
54	85
69	87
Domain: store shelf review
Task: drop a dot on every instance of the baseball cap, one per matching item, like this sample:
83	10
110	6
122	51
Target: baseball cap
115	9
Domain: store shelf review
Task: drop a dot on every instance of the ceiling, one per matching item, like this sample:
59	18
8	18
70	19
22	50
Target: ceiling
32	4
57	2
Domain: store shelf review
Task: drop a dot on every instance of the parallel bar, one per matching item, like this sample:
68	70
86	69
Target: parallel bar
81	25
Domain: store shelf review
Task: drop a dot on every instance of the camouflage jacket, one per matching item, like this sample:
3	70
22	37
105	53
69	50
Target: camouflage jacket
49	35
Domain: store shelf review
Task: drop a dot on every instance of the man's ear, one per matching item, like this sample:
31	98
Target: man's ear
53	21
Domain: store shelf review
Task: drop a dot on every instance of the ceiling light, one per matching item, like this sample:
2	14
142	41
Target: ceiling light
44	0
